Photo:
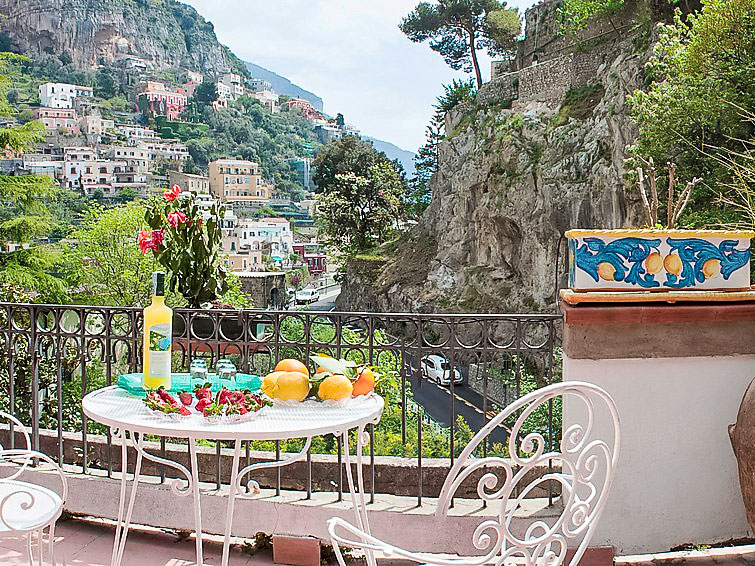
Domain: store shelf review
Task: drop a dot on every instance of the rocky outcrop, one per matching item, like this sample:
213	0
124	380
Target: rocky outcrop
511	181
164	33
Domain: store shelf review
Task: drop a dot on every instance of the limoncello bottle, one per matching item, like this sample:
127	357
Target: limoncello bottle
158	336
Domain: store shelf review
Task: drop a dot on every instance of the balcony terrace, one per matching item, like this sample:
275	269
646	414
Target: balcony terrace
56	354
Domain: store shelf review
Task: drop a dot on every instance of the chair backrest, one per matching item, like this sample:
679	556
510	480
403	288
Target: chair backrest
583	464
15	427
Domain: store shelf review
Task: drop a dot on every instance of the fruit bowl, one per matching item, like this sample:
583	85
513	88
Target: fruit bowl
335	382
225	406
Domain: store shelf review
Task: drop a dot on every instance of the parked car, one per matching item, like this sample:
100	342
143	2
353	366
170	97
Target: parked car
438	369
306	296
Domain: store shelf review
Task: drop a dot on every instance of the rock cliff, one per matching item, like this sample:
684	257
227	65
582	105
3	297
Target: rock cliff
164	33
538	152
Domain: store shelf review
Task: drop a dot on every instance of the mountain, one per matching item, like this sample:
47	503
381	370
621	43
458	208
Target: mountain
165	34
282	85
394	152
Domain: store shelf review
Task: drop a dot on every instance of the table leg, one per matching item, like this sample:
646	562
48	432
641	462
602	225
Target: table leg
195	494
122	525
359	503
231	501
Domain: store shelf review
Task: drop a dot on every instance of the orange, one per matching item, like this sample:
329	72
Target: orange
335	387
290	364
365	382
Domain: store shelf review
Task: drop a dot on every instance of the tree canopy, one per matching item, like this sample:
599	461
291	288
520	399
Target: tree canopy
703	80
458	29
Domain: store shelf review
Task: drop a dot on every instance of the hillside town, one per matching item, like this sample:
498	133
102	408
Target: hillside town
119	158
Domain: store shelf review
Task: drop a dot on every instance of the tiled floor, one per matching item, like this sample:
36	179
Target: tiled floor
82	543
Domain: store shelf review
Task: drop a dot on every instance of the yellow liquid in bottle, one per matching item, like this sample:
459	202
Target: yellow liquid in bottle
158	336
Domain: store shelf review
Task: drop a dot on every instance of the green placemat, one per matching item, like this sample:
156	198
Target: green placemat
132	382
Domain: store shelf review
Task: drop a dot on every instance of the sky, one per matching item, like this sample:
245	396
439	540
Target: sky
349	52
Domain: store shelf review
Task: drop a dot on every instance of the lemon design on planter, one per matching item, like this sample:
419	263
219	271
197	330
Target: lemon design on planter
712	268
654	263
606	271
673	264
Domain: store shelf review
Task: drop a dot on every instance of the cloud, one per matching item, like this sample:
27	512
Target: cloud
349	52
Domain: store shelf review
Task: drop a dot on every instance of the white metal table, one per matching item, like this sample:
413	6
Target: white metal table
128	417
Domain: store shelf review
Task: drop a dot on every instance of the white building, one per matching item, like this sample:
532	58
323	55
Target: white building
62	95
274	233
135	134
260	85
269	100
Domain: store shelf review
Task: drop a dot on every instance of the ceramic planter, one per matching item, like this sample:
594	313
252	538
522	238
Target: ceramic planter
659	260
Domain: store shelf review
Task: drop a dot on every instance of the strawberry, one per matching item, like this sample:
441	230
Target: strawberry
184	411
223	396
203	391
185	397
167	397
202	404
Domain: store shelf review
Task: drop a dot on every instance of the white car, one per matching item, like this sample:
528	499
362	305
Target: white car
306	296
438	369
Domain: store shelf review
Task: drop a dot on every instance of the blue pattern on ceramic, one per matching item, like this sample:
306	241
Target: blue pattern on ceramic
694	252
572	255
619	253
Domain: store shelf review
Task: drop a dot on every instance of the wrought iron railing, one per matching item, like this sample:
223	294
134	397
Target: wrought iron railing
52	355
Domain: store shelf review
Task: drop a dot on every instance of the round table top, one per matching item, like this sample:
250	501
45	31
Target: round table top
117	408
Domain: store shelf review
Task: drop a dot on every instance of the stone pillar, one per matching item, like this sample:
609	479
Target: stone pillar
677	373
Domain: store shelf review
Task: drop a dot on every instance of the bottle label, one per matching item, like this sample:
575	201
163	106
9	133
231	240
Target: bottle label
160	339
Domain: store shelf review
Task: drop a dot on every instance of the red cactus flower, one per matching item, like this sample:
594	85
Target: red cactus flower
157	238
175	218
144	239
172	193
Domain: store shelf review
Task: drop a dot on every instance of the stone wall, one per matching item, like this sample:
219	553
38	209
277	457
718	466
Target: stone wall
495	389
393	475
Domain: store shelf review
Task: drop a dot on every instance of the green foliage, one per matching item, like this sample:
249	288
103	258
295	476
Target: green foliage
703	78
457	29
205	94
579	103
182	130
187	247
575	14
357	212
106	264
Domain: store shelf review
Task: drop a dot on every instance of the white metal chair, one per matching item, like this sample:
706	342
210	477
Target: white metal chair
587	461
27	508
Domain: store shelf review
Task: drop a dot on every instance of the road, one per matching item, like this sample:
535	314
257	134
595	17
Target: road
467	403
327	301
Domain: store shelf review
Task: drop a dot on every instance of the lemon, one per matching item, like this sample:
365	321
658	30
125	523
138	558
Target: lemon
290	386
673	264
654	263
712	268
268	384
335	387
606	271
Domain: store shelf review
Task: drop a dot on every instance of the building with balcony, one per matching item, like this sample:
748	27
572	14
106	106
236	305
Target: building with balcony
57	119
62	95
237	181
260	85
269	100
136	134
197	184
95	125
172	150
303	107
157	99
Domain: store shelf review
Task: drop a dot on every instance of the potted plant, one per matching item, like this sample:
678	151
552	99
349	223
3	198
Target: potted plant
658	258
188	244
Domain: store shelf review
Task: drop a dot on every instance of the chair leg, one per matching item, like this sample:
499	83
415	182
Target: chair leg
40	541
29	554
51	544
